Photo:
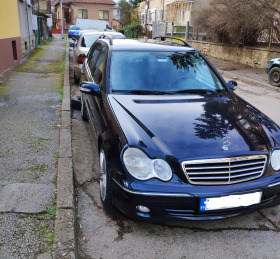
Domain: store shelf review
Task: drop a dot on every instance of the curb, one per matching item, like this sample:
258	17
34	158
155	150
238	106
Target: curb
65	238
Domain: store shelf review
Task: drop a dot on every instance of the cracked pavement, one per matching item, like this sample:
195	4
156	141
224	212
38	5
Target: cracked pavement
103	235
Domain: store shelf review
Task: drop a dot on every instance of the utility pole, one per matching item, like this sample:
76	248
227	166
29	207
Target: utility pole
61	16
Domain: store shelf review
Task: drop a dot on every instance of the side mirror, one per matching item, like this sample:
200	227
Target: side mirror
232	85
90	88
71	45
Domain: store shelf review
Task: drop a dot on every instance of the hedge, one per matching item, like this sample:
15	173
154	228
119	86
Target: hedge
132	30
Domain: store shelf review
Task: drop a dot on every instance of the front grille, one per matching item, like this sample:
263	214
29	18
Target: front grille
224	170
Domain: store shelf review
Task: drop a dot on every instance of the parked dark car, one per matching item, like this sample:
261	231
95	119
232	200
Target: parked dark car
174	140
73	32
273	71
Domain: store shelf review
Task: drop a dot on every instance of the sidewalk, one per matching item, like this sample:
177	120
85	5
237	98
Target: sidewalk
244	73
30	123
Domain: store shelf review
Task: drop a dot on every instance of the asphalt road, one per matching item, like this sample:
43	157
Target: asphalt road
103	235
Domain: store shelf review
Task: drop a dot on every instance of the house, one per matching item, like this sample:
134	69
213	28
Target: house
42	9
16	35
85	9
25	20
176	11
117	22
10	41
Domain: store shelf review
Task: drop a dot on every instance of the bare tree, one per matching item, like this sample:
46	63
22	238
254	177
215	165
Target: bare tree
239	21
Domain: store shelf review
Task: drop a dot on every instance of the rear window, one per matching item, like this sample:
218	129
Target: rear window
88	40
74	28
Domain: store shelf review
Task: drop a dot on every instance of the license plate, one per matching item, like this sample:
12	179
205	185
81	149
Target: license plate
231	201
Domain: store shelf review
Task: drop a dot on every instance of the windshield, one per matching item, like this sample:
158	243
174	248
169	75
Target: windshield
162	71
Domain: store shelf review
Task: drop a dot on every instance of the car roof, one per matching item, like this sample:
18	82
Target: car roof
147	45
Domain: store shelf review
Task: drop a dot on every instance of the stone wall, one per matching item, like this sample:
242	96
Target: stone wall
252	56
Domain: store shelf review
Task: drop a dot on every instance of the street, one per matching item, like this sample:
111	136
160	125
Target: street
103	235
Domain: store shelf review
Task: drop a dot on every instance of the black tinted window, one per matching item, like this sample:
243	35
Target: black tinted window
98	68
93	55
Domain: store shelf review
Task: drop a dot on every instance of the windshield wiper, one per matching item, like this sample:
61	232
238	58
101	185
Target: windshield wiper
195	91
144	92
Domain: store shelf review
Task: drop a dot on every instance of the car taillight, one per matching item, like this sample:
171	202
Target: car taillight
81	58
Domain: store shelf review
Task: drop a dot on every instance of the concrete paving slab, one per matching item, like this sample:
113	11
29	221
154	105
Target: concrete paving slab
26	197
25	236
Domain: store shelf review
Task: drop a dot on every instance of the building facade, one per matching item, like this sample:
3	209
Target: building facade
27	34
10	40
85	9
176	11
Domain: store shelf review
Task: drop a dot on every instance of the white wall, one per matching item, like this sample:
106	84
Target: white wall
24	27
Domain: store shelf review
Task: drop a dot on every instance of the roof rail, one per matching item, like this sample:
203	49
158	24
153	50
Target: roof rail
162	38
107	37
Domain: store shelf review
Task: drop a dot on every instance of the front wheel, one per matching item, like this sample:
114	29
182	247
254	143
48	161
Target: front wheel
105	181
274	76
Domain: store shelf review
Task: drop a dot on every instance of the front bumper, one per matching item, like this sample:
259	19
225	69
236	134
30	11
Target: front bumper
184	206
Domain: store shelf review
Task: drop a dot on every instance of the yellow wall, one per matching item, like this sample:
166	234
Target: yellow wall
9	19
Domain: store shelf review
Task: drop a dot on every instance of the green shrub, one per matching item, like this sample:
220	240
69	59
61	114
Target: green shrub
132	30
121	31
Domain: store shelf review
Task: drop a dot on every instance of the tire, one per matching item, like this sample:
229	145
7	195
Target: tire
76	103
105	181
84	113
76	79
274	76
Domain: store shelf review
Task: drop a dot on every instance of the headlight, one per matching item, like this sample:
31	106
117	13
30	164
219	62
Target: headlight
140	166
275	160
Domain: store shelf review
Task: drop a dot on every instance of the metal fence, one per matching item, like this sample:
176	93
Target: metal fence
177	30
268	38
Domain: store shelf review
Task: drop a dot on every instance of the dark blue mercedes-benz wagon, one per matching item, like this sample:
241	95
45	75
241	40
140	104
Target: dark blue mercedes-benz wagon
175	141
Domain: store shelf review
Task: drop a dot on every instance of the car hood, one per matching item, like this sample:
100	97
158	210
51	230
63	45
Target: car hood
189	126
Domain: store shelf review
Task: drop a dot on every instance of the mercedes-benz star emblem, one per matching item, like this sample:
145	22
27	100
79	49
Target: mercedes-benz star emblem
226	143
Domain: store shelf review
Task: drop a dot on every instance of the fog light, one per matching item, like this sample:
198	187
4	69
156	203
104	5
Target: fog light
143	209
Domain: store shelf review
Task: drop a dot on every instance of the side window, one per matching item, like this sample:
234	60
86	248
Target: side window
98	68
93	57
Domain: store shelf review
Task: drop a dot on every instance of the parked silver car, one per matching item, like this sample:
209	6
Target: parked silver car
83	45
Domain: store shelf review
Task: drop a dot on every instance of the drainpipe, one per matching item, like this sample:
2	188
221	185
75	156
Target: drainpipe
26	10
61	16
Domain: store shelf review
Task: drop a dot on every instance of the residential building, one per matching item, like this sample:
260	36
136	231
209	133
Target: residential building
42	9
10	40
85	9
177	11
27	34
117	18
